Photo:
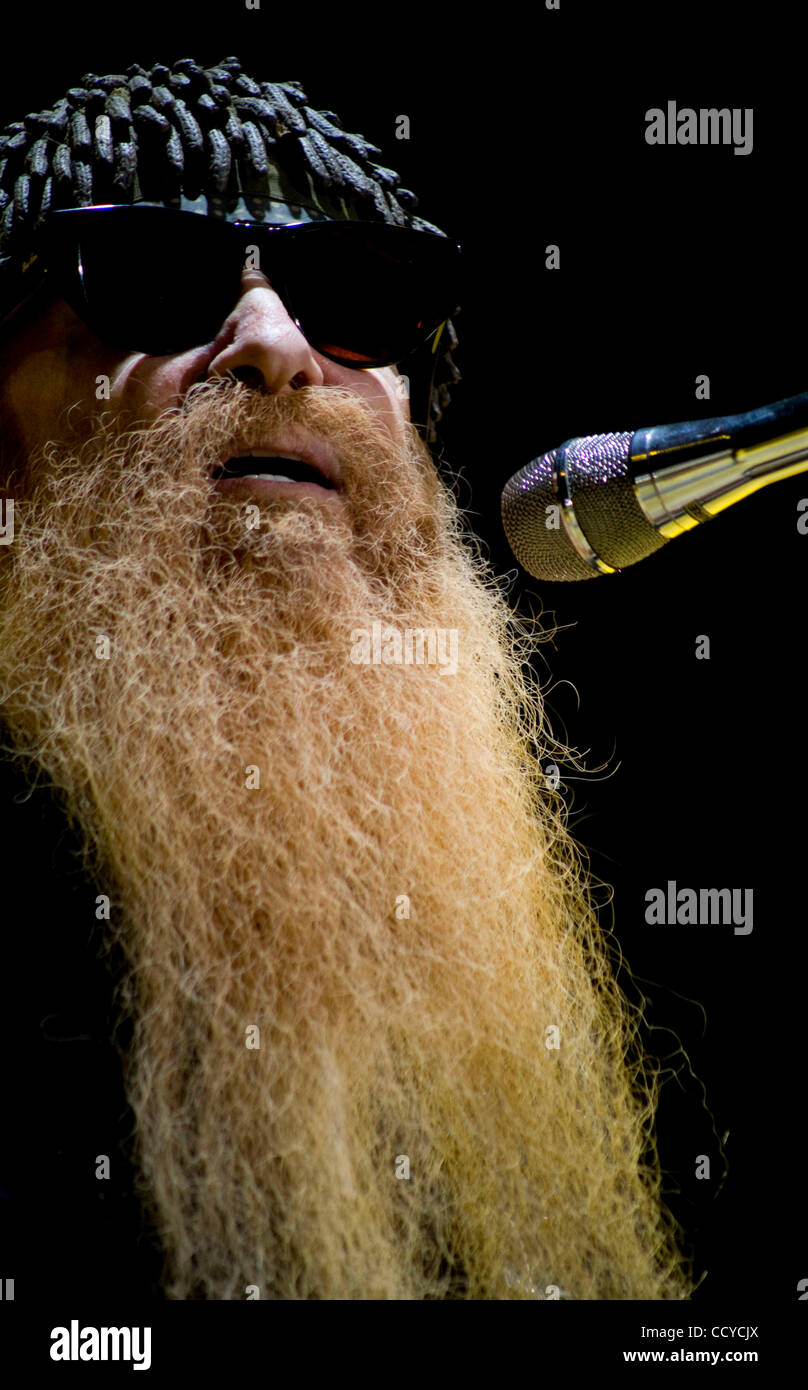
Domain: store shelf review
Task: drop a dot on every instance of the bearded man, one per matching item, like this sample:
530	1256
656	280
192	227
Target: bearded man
365	1018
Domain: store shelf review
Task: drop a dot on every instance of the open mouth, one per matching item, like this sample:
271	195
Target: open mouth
278	468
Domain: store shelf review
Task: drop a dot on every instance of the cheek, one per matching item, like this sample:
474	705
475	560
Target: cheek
384	389
35	399
146	386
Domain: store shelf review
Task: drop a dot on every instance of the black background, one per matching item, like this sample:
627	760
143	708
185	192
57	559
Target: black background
526	130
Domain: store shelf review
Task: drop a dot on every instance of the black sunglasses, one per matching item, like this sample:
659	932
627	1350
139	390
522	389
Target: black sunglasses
160	280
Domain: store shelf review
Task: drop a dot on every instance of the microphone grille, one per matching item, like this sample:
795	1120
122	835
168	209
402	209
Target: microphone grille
601	487
544	551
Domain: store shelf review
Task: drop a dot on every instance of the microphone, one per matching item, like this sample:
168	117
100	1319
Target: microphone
604	501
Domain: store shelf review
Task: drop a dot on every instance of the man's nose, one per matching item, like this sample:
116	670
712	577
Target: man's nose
260	335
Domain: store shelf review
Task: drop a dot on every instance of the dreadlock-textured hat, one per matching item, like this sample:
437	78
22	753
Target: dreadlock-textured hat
208	140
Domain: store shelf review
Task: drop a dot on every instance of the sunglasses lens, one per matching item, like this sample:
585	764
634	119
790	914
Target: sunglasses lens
160	282
154	283
367	296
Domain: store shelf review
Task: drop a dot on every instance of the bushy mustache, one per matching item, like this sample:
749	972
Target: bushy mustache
393	519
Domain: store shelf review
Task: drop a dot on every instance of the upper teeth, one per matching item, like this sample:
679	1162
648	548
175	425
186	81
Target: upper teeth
270	454
263	454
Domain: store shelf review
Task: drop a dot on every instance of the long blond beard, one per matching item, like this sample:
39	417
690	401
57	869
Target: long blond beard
378	1048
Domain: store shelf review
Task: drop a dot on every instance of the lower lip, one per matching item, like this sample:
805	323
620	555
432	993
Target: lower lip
270	487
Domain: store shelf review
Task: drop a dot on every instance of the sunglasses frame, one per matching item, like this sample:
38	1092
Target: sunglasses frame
60	249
